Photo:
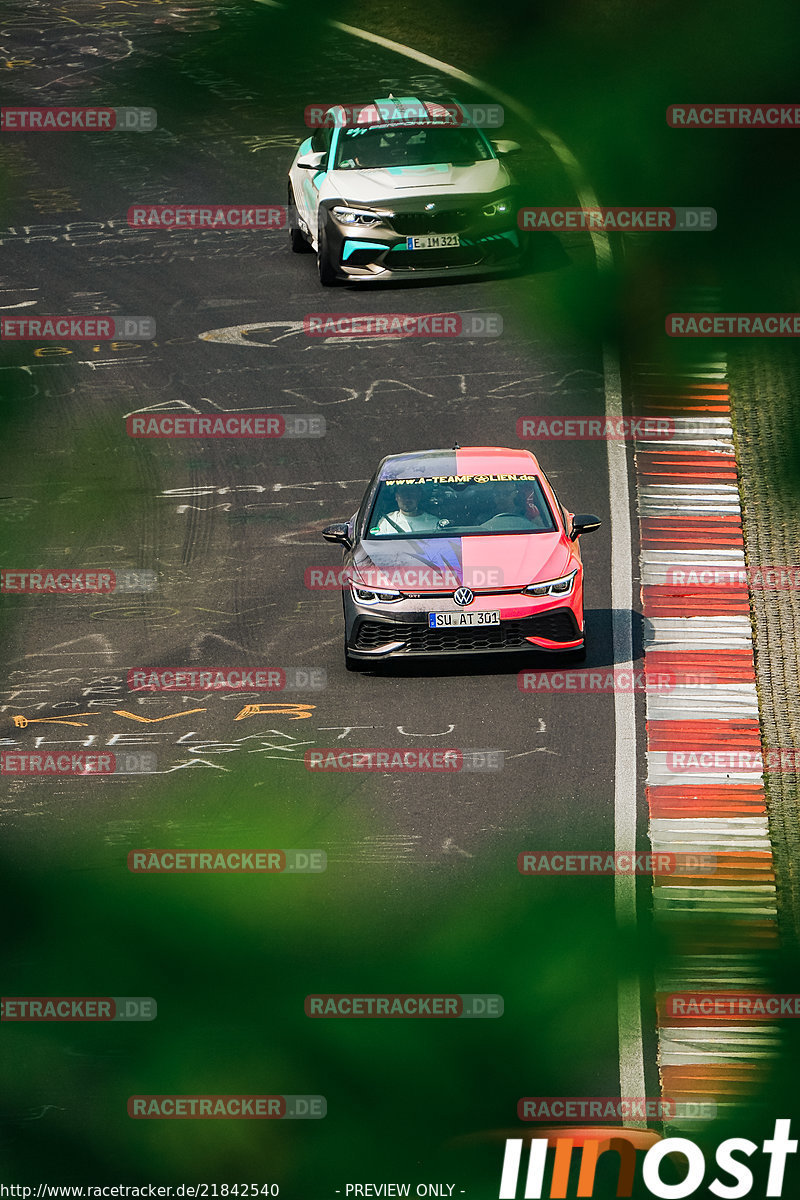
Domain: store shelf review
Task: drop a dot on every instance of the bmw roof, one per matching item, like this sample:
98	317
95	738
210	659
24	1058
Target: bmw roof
396	111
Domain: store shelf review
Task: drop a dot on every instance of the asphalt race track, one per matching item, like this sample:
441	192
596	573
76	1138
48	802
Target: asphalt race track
421	890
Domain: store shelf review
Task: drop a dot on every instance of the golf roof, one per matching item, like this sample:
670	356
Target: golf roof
468	460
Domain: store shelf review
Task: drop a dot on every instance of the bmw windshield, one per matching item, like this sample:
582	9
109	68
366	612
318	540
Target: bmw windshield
360	149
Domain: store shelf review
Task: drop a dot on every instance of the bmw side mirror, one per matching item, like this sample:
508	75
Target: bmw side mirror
504	146
584	523
338	533
311	162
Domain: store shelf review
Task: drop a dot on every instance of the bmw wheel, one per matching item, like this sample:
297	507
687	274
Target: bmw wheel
299	242
327	275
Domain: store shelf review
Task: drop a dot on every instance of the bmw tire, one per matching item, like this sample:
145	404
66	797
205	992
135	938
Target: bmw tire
327	274
298	240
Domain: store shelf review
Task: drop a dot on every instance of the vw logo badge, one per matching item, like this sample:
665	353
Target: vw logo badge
463	597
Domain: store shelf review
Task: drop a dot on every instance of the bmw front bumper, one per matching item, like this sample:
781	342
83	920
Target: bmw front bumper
370	253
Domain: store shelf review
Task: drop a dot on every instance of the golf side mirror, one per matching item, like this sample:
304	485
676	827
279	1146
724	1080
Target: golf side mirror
584	523
337	533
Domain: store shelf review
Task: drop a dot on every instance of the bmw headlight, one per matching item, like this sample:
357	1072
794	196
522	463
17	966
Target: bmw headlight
501	206
369	596
553	587
363	217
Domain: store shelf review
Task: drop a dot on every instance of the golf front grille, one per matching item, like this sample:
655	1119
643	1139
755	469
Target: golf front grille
557	626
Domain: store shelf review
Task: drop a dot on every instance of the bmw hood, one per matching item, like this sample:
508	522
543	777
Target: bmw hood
384	185
438	564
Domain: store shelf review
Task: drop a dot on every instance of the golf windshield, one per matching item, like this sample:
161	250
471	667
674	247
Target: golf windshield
458	506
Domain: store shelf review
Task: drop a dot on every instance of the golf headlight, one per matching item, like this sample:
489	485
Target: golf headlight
503	206
553	587
356	216
369	596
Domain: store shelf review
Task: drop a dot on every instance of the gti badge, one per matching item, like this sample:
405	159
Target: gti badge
463	597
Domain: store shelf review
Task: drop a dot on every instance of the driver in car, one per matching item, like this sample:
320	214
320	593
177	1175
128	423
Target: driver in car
411	514
391	150
513	506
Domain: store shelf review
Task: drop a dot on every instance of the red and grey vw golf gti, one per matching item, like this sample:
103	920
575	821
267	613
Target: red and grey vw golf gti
462	551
